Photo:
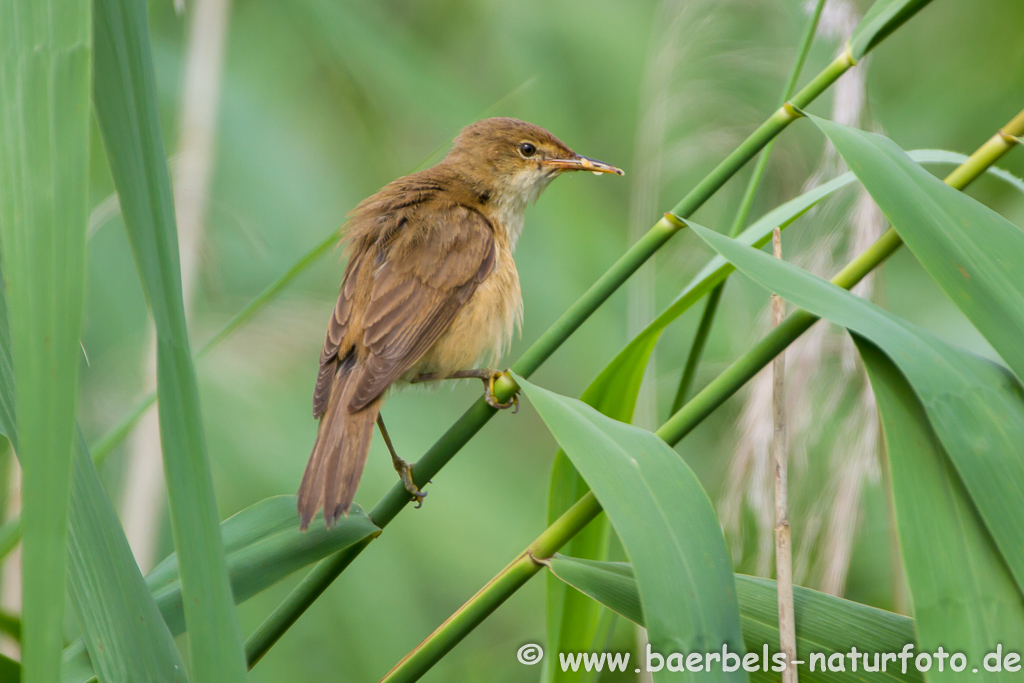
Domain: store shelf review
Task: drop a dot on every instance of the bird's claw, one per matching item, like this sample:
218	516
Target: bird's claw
405	472
492	400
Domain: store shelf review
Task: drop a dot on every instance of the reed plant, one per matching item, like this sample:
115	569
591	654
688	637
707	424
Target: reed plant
952	421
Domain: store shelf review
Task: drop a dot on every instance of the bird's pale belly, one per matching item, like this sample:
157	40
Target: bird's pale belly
482	329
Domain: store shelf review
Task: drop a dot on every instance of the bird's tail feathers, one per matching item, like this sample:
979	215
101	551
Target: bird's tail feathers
339	454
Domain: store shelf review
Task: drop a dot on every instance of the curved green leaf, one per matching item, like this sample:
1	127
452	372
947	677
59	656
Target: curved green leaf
975	407
666	523
126	107
263	545
824	623
10	670
126	637
884	17
615	390
971	251
627	369
972	601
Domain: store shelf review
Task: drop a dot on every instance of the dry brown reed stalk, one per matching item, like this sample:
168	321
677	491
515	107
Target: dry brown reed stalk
824	375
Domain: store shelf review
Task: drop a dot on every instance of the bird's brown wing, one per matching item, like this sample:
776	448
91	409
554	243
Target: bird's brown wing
336	329
426	275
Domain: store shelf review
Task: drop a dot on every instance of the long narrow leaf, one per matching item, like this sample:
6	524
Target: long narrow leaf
666	523
126	107
45	58
975	407
884	17
972	602
626	370
125	635
124	629
825	624
971	251
263	545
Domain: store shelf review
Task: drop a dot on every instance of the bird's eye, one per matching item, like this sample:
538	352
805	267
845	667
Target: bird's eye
527	149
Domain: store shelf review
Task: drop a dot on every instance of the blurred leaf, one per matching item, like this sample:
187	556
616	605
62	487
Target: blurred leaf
972	252
884	17
45	57
10	670
124	632
10	625
666	524
120	621
975	407
75	665
263	545
825	624
126	107
970	604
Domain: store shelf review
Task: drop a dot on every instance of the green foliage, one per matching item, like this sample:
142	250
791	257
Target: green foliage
10	670
124	633
263	546
971	251
884	17
666	523
952	421
970	606
977	409
825	624
126	107
123	629
45	61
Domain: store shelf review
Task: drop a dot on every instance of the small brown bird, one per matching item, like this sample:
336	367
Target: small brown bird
430	292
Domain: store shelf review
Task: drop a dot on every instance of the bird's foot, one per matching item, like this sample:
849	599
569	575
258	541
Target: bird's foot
492	400
404	470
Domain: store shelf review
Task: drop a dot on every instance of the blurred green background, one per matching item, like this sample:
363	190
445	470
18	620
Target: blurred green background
324	101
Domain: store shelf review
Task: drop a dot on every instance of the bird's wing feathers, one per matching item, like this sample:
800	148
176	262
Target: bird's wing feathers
424	279
336	329
421	267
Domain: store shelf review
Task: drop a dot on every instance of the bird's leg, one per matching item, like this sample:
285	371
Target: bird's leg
486	375
403	468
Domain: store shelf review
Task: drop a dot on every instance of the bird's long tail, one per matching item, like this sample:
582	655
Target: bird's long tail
339	454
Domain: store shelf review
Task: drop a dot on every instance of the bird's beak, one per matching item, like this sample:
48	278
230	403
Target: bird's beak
581	163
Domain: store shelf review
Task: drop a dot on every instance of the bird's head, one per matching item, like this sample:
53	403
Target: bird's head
516	160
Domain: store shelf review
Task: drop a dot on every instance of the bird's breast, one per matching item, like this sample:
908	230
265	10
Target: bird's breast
482	330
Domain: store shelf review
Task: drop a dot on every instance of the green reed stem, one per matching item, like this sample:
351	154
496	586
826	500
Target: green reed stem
528	563
479	413
707	318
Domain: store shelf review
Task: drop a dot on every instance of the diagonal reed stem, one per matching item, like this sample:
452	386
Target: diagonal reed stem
317	581
520	570
707	318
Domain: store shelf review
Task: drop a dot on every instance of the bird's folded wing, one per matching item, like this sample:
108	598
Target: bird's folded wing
336	329
427	274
